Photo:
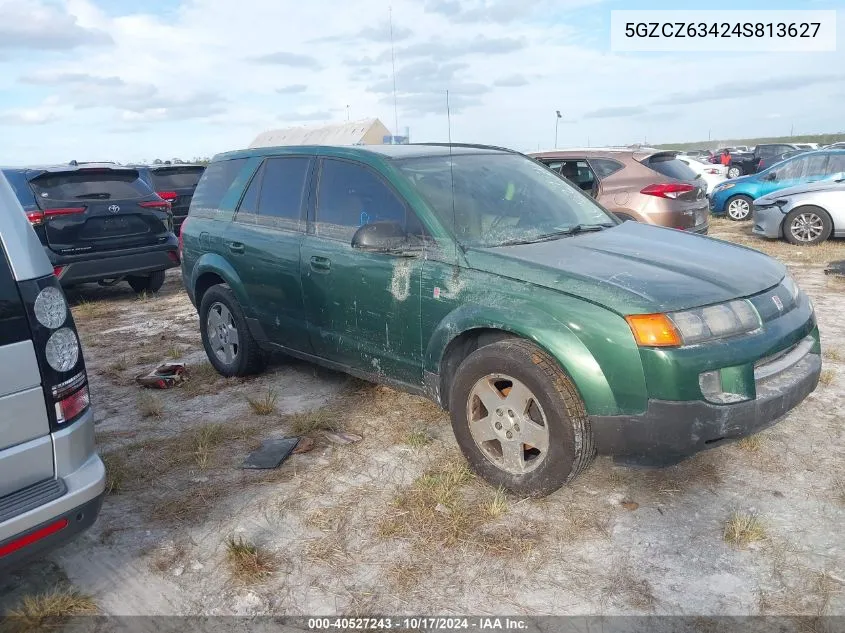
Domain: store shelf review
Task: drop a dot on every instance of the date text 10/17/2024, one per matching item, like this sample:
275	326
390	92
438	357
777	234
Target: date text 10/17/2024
418	623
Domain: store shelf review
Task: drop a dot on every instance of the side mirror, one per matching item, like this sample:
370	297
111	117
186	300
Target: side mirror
772	175
381	237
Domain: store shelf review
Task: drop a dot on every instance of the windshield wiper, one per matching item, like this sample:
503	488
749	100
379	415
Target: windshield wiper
569	230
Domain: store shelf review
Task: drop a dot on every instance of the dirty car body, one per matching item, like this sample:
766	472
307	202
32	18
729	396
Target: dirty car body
478	278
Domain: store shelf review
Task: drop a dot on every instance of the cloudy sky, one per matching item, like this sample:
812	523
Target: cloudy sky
127	80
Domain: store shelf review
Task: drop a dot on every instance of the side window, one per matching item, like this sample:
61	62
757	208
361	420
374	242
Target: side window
350	196
604	167
816	165
579	173
554	165
249	204
215	183
836	164
793	169
282	189
20	185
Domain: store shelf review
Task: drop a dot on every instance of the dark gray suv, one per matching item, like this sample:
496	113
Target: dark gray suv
51	479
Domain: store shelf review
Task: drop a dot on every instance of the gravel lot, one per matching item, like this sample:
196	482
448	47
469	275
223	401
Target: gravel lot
396	524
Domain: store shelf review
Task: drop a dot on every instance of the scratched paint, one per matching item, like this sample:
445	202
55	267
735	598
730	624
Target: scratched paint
400	282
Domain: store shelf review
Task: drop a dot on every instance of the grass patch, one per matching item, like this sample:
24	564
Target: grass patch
265	404
200	379
121	363
174	352
85	310
832	354
826	377
189	505
434	509
312	421
742	529
418	438
751	444
116	473
50	610
248	563
149	405
631	589
498	505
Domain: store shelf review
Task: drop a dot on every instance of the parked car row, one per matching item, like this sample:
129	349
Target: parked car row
103	222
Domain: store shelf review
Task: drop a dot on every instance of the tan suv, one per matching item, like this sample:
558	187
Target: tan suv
647	186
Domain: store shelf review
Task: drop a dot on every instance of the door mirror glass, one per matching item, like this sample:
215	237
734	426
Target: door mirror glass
772	175
381	237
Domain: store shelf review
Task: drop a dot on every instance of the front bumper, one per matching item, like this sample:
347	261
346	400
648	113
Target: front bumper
768	221
669	431
96	266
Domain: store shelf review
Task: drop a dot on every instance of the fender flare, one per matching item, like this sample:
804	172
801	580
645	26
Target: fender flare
214	263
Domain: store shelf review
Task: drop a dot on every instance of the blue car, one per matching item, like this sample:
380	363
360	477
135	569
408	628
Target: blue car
734	197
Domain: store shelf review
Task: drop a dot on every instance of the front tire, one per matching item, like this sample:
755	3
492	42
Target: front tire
228	343
519	420
807	225
739	208
734	171
147	283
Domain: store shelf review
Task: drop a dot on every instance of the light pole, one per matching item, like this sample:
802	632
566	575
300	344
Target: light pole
557	120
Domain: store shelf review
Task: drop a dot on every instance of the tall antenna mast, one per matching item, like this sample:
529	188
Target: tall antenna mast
393	63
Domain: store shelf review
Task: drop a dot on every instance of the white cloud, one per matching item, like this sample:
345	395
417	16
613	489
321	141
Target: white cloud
210	74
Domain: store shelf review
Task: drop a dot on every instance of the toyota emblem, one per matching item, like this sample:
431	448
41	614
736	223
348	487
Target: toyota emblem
778	303
114	208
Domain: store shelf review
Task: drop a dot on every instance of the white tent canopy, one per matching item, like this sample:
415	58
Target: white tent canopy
363	132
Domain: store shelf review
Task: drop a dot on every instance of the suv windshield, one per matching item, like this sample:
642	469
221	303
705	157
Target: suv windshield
495	199
166	178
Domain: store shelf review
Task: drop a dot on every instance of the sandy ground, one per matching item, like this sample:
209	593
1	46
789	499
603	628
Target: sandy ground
394	523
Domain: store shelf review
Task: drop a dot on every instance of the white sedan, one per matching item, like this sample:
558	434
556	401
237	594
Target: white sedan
711	174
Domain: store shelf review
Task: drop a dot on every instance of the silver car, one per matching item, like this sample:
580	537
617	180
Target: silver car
51	479
806	214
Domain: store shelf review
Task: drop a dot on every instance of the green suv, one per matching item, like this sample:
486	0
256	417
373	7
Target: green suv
479	278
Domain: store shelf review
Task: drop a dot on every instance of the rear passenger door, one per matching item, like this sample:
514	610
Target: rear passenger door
263	243
363	308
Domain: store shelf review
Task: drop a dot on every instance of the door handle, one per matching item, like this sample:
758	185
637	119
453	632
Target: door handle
236	247
322	264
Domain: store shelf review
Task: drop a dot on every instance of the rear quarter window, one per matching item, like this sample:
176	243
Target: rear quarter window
604	167
176	178
215	183
20	185
669	166
106	184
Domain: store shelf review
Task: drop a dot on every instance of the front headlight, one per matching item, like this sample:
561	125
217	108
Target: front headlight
699	325
726	186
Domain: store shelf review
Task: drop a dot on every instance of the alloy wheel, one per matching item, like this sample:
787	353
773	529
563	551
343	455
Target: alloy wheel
739	209
806	227
508	424
222	333
733	172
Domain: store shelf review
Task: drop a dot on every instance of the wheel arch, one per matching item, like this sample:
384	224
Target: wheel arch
470	327
210	270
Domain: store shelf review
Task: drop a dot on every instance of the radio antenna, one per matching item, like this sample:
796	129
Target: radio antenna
451	172
393	63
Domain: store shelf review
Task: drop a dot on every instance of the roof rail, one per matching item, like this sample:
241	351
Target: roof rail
471	146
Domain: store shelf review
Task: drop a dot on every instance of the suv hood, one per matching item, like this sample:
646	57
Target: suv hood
635	268
812	187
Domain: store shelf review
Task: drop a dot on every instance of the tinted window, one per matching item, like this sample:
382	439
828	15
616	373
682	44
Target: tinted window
604	166
83	184
669	166
169	178
13	325
215	182
579	173
282	188
768	150
836	164
249	204
350	195
20	185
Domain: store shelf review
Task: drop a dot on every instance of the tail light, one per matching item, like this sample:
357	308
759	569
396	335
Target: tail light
170	196
33	537
711	170
63	378
155	204
761	164
37	218
57	271
671	190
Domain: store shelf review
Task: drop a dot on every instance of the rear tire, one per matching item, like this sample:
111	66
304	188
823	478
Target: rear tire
228	343
734	171
518	418
147	283
738	208
807	225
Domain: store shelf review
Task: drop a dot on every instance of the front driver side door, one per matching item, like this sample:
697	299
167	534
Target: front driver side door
363	308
